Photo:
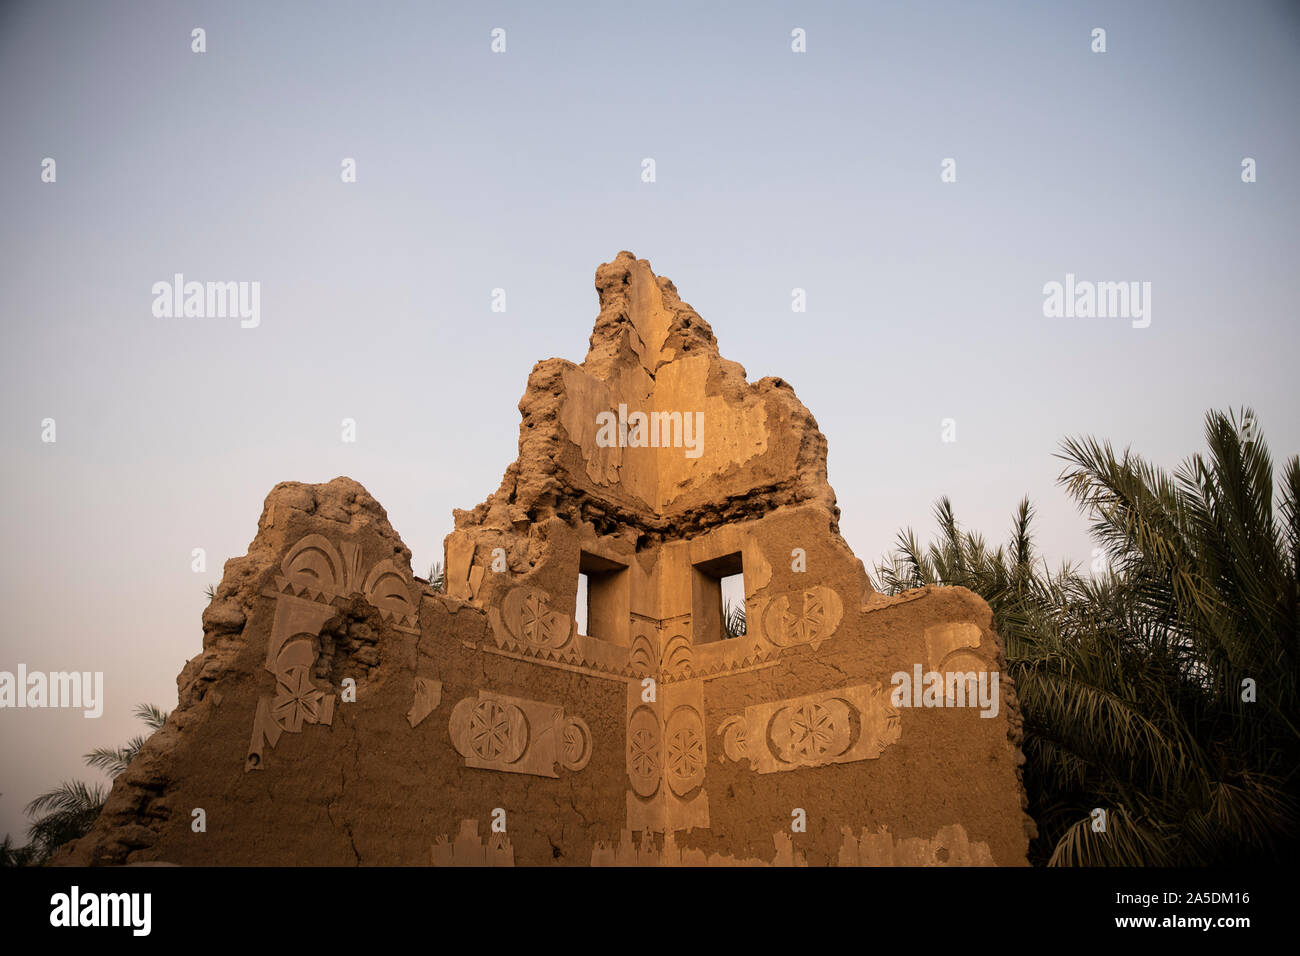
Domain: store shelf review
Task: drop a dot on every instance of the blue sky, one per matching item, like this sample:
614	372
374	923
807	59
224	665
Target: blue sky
521	171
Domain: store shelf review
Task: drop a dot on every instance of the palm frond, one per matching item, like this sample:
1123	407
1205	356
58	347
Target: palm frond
1130	682
733	619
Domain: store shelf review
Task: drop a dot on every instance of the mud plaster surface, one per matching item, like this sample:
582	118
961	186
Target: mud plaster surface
289	772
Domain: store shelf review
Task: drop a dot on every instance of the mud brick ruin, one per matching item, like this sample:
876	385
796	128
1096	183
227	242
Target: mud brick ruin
344	711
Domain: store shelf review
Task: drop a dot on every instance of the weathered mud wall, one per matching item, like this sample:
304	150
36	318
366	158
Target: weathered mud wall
344	712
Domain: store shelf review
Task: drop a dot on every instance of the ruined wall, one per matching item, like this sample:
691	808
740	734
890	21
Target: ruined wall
344	712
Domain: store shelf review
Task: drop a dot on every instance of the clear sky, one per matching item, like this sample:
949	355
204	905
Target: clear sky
521	170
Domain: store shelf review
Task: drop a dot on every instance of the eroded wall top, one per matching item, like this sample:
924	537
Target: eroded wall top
655	429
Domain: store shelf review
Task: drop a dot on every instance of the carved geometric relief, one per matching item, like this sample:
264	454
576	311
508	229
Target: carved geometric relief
839	726
290	657
316	570
524	623
314	575
314	565
297	700
643	657
497	732
386	588
666	759
678	654
661	644
684	750
527	615
803	617
811	733
735	738
643	751
952	647
575	743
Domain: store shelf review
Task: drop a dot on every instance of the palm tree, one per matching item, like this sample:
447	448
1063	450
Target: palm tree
11	855
733	619
1207	557
62	814
70	809
1143	688
113	760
